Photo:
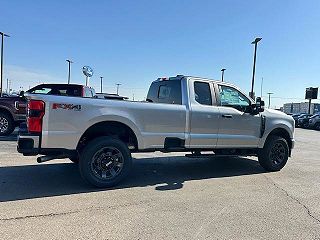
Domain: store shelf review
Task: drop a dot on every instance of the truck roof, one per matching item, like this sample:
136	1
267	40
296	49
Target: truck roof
179	77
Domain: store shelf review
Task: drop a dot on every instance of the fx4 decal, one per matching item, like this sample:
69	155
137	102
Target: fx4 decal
66	106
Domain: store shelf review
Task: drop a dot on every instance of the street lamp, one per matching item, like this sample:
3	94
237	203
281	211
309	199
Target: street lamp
101	83
222	73
255	42
269	93
118	84
69	69
2	37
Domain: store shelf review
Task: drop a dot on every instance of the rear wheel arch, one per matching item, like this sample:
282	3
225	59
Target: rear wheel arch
113	129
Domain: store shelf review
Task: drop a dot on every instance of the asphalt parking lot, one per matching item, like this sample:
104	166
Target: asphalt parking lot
167	196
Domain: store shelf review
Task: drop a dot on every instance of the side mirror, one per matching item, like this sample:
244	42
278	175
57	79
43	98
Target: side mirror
259	104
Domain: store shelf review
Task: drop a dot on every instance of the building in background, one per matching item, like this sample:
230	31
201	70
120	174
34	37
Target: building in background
302	107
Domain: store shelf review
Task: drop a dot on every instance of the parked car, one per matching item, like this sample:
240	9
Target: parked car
303	120
296	115
13	108
70	90
314	122
182	113
12	113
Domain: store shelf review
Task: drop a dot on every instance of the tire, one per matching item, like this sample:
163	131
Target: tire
6	124
104	162
317	126
274	155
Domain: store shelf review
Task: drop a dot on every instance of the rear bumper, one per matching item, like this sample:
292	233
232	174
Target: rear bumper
28	144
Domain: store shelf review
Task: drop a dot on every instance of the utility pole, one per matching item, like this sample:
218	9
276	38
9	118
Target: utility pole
261	86
2	36
222	73
101	83
10	86
269	93
255	42
69	69
309	109
118	84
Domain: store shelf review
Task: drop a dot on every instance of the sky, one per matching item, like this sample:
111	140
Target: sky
135	42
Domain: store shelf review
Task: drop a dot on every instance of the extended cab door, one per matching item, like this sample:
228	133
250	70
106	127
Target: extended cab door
237	128
204	115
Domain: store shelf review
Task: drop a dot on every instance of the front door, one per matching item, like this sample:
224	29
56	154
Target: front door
237	129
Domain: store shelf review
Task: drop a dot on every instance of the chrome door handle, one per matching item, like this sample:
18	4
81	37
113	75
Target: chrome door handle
227	116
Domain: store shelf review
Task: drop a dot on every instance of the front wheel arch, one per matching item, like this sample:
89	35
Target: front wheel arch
280	132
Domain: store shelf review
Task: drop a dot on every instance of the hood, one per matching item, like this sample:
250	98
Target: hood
275	114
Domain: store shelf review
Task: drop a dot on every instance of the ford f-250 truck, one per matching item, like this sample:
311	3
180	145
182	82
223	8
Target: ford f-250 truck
182	113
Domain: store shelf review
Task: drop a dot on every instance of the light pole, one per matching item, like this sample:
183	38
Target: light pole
118	84
101	83
69	69
269	93
255	42
2	37
261	86
222	73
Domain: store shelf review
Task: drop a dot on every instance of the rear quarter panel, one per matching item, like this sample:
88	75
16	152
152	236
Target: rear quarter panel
151	122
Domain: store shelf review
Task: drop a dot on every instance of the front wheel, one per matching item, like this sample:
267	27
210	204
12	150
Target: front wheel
104	162
275	154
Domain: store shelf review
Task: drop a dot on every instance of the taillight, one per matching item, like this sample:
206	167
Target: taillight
34	116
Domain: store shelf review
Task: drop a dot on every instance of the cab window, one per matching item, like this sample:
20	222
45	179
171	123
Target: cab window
165	92
202	93
231	97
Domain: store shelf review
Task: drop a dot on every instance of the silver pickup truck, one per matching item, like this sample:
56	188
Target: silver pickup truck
182	113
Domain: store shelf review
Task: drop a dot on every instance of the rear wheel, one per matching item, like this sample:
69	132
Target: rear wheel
317	126
105	161
275	154
6	124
